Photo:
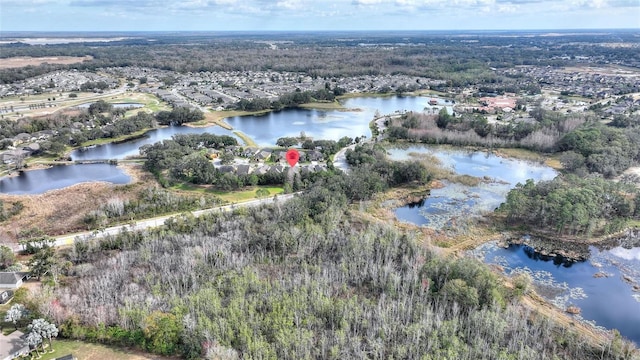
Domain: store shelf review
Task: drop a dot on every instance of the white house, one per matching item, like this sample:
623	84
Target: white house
11	280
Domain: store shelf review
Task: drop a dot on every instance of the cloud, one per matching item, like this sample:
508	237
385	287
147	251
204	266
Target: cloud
367	2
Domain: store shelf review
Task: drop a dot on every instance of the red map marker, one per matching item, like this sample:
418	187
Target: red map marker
292	157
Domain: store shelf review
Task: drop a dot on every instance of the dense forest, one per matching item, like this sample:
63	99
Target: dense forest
306	278
452	58
573	205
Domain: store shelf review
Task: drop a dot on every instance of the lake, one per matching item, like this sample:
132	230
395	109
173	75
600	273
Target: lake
324	124
58	177
607	301
131	148
264	129
455	202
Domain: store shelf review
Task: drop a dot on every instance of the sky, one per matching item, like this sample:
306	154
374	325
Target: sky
304	15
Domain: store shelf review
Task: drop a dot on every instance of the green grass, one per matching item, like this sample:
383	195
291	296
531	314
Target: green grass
102	141
329	105
246	194
189	187
88	351
246	139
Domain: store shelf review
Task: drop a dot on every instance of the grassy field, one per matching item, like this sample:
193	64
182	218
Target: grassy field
247	194
246	139
86	351
102	141
63	101
334	105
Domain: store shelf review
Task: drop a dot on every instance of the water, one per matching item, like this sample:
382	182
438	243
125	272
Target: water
57	177
265	130
131	148
608	302
324	124
455	202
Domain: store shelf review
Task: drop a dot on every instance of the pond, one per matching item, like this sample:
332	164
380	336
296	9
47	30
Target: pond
453	202
601	287
57	177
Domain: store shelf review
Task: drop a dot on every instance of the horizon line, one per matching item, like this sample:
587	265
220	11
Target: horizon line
3	33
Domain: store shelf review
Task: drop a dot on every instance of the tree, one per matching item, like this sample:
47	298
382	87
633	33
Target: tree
287	141
34	340
42	261
7	258
50	331
227	158
443	119
15	313
43	329
163	332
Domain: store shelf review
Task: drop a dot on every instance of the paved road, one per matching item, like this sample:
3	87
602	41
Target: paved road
159	221
340	159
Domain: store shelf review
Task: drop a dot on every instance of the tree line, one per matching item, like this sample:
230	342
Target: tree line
573	205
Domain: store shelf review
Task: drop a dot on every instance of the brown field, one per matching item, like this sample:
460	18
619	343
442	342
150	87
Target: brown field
17	62
62	211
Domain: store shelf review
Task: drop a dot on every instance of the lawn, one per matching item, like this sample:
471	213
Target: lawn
246	139
246	194
88	351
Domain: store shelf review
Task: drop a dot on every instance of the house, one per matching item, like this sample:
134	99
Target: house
262	170
315	155
5	296
22	138
226	169
249	152
13	345
277	169
262	155
11	280
14	156
32	148
243	169
280	156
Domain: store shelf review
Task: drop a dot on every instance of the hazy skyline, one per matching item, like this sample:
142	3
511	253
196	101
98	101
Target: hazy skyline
252	15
